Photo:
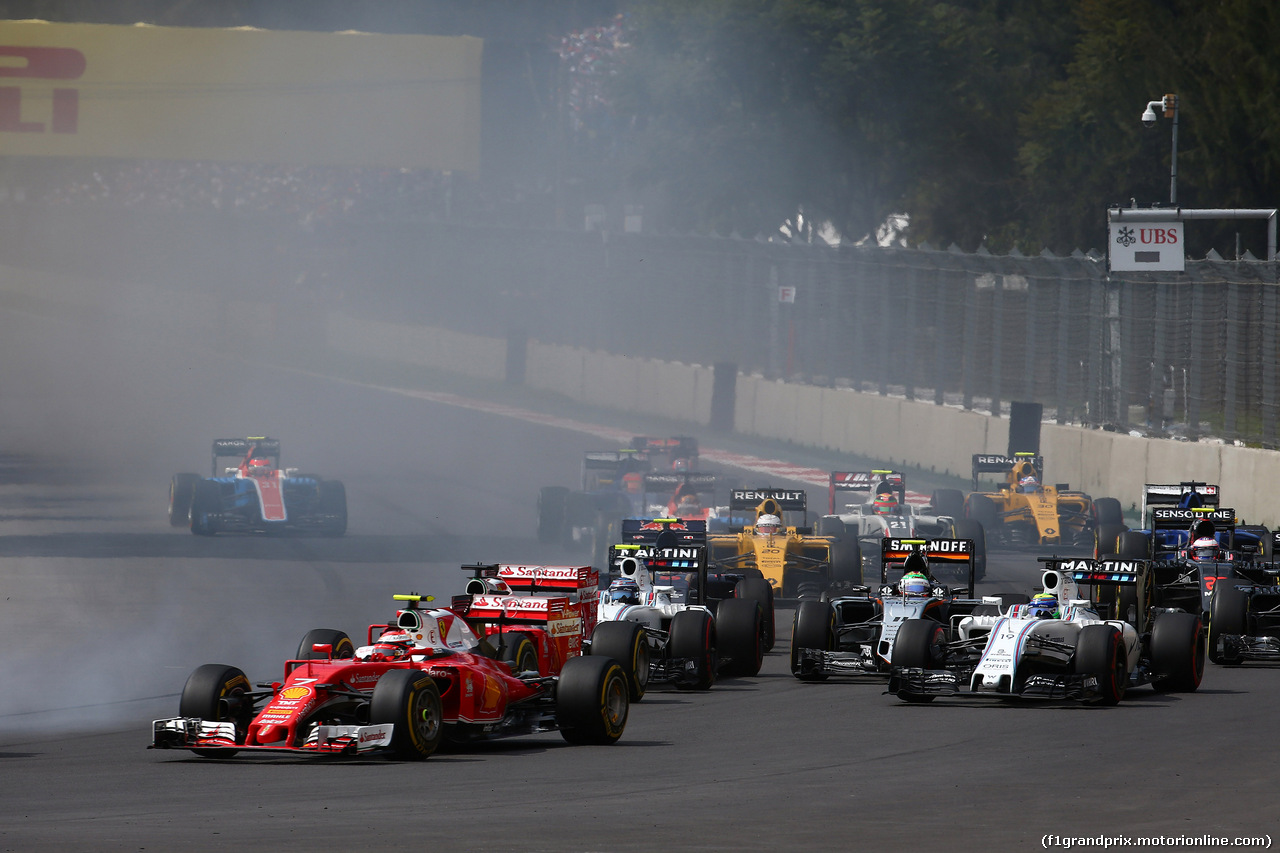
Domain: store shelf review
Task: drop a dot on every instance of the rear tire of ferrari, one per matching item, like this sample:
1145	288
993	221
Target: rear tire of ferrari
206	505
343	648
627	643
517	650
758	589
693	637
740	630
1177	650
813	627
1100	652
551	518
1228	616
591	700
181	490
333	502
409	700
213	692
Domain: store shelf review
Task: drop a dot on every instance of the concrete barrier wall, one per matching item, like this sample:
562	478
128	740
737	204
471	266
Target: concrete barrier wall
897	431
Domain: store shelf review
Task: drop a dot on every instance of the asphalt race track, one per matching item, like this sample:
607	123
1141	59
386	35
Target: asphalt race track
106	609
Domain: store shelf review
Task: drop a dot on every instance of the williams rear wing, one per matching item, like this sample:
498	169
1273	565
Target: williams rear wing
864	482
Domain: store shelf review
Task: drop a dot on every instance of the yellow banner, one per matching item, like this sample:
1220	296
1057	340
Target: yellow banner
240	95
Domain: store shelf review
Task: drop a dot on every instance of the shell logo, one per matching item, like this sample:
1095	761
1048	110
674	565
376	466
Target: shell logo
295	692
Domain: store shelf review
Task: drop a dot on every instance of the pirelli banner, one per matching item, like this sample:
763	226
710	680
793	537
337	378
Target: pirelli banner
241	95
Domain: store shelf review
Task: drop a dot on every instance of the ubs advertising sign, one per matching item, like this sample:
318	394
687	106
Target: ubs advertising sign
1141	245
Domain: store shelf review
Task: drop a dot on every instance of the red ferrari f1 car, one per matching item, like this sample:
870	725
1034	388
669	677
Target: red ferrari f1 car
421	678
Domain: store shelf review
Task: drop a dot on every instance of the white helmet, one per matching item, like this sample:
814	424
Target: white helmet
768	524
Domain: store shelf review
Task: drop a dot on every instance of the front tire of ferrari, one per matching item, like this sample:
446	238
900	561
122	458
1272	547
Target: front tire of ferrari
343	648
409	700
181	490
1100	653
591	700
813	627
627	643
1177	651
692	637
740	630
758	589
215	692
1228	616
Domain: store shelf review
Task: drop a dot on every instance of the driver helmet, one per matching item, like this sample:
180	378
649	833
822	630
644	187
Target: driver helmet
1028	484
679	464
1204	548
392	645
689	503
624	591
914	584
886	503
768	524
1044	605
259	467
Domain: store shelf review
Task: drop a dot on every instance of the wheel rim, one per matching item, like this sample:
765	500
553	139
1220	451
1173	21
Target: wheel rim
425	718
615	702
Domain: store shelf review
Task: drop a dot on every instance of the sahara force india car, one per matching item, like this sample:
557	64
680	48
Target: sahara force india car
1067	650
796	562
1024	511
856	634
256	496
421	678
857	510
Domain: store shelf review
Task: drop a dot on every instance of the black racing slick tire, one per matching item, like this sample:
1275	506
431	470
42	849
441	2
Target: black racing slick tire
740	633
1177	652
1100	652
813	627
920	644
948	502
216	692
628	644
1228	617
206	506
968	528
692	637
332	504
981	509
759	590
1107	511
343	648
518	651
1106	540
410	700
181	490
1134	545
551	514
592	700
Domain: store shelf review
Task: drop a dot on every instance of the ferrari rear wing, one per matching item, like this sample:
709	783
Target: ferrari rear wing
865	482
239	448
1155	494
